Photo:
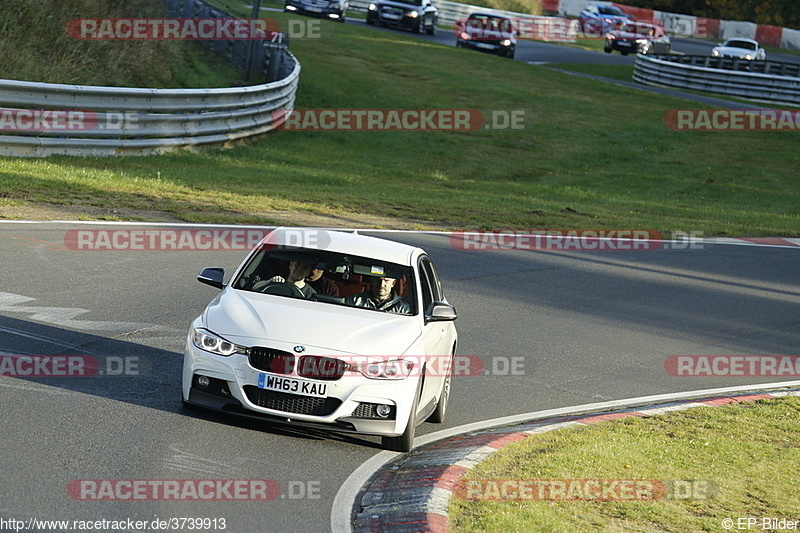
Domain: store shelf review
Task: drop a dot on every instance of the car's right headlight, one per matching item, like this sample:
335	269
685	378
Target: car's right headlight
372	7
209	342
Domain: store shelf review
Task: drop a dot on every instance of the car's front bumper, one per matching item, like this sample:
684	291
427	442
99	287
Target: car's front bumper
318	10
491	47
233	389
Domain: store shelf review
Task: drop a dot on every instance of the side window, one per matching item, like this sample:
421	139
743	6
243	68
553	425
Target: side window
429	283
425	286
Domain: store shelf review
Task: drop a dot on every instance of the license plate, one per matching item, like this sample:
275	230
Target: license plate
292	386
483	45
314	9
391	16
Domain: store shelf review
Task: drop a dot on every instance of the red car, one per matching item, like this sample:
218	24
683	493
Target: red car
637	38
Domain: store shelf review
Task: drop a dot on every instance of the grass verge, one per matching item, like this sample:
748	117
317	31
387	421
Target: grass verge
746	451
590	155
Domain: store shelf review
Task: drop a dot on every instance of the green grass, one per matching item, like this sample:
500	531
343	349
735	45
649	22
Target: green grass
591	155
746	451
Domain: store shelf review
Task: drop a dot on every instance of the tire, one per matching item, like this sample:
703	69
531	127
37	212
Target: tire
607	50
510	53
432	29
418	26
405	442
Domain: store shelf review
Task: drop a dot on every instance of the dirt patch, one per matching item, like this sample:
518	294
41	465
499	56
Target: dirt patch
287	218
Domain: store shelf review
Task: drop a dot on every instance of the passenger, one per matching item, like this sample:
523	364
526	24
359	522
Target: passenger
381	296
321	284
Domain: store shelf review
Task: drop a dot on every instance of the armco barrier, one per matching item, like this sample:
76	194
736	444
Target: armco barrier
133	121
762	80
107	121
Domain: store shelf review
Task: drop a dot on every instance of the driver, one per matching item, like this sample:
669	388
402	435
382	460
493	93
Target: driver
380	296
298	272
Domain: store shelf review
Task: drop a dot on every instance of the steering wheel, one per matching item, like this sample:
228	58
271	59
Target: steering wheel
283	289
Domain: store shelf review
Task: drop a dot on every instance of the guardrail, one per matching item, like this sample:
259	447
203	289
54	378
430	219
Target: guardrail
40	119
761	80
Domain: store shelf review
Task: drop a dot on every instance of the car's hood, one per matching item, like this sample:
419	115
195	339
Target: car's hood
253	319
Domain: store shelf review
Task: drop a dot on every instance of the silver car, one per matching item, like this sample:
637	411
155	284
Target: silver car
740	48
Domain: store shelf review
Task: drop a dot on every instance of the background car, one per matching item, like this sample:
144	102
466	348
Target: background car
331	9
263	349
415	15
637	37
486	32
740	48
598	18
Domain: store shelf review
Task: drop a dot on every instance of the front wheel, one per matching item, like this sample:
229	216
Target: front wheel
432	29
438	414
405	442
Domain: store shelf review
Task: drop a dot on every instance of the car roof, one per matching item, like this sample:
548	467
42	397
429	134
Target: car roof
346	242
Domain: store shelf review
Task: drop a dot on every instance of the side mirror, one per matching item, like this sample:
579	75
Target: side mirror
212	276
440	312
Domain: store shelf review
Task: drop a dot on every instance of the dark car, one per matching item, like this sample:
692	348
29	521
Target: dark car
415	15
486	32
637	38
331	9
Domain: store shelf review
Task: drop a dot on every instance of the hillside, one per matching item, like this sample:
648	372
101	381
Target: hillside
35	46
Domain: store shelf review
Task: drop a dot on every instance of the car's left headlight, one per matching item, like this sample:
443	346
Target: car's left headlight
209	342
505	42
391	369
372	7
412	14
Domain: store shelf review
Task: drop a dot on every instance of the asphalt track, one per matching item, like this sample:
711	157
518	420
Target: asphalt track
553	329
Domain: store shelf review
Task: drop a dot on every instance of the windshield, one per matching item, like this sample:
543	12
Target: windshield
747	45
329	278
489	23
611	10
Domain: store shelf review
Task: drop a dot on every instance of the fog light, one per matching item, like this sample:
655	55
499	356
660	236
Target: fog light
383	410
203	381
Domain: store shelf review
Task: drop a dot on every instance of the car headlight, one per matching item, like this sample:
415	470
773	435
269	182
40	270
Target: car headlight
641	41
391	369
372	7
207	341
412	14
505	42
715	53
465	36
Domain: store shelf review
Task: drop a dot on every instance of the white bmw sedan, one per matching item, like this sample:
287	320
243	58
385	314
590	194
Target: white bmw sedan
326	329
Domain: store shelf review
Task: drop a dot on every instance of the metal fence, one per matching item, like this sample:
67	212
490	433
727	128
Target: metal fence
761	80
40	119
